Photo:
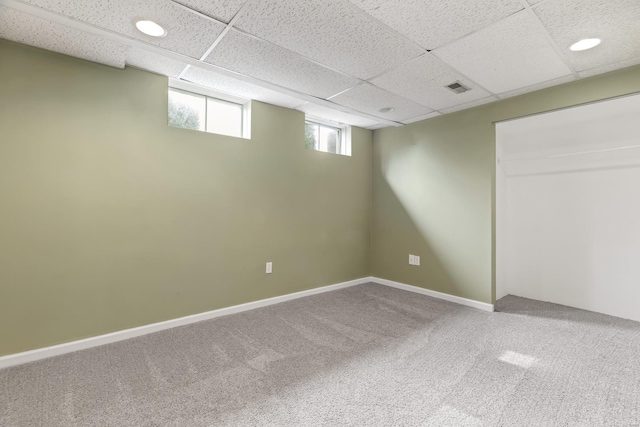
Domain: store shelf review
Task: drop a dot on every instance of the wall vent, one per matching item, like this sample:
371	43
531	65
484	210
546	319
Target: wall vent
458	87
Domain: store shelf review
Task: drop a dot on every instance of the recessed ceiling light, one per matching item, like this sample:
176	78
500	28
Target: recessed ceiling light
150	28
387	109
585	44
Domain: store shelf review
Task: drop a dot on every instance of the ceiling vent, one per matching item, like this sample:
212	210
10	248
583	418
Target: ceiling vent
458	87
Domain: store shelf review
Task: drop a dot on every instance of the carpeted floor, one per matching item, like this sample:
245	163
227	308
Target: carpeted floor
363	356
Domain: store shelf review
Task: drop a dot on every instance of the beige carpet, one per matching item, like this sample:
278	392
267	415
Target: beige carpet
363	356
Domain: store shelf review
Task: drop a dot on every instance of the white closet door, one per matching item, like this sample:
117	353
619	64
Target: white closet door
568	207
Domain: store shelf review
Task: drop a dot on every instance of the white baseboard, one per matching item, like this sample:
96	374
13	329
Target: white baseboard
447	297
56	350
69	347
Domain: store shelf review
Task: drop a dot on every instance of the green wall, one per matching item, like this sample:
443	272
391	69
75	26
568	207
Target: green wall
433	189
110	219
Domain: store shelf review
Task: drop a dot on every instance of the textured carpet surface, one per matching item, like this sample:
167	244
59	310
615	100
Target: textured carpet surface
364	356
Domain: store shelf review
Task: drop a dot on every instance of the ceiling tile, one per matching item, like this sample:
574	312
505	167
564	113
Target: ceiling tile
611	67
616	22
331	32
257	58
421	118
336	115
378	126
239	88
432	24
508	55
187	33
221	10
539	86
27	29
370	99
155	63
469	105
423	80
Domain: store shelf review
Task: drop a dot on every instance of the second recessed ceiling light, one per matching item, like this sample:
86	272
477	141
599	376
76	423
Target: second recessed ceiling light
150	28
585	44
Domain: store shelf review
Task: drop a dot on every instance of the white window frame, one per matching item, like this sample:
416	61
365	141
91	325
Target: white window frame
211	93
345	133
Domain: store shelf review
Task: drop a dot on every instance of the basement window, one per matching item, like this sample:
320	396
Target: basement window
197	108
328	137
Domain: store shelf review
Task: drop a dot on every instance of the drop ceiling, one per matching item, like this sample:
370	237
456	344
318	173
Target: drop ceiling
344	60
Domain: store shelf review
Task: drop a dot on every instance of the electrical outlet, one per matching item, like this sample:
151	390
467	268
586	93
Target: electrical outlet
269	267
416	260
411	261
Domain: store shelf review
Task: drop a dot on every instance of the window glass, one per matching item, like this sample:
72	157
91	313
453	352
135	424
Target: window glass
187	110
224	117
329	139
311	136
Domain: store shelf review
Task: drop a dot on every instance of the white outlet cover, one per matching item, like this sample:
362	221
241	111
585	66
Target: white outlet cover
411	261
416	260
269	267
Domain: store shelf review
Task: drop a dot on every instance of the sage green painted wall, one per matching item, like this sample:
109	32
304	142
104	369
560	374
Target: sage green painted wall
110	219
433	189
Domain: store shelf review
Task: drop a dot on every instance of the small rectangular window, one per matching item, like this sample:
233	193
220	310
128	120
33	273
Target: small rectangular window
328	138
198	111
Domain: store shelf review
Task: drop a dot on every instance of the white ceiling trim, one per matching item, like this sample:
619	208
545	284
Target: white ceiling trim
120	38
421	118
608	68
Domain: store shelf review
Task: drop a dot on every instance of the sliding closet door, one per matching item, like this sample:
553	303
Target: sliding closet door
568	207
